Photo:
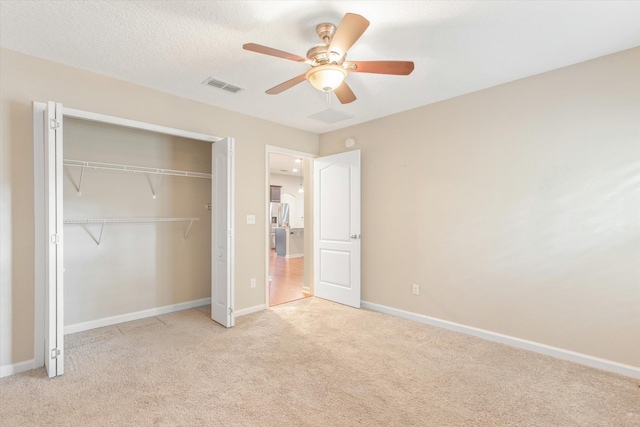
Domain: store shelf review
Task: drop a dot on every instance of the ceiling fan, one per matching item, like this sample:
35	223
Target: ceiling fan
329	67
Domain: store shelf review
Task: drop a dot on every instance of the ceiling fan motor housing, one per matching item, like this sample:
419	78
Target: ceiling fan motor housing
320	54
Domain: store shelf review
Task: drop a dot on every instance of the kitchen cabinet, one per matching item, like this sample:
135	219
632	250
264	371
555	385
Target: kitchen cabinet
281	241
290	242
274	194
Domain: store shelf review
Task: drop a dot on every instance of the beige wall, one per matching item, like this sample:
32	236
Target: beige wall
137	266
24	79
515	208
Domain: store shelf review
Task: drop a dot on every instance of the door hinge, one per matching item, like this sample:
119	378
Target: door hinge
230	311
55	353
54	124
231	232
55	239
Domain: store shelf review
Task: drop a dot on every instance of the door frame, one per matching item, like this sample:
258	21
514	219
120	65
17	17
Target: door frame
308	201
40	265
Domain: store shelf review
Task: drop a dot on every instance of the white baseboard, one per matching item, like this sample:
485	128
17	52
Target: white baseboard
16	368
250	310
108	321
548	350
295	256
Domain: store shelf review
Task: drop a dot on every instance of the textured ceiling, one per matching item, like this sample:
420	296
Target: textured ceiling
458	47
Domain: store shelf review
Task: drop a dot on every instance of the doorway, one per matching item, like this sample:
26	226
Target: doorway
289	243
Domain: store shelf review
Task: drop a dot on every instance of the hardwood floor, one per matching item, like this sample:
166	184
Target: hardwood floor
287	279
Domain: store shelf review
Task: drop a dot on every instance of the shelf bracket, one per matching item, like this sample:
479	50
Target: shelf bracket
79	186
188	229
101	230
155	190
88	231
80	182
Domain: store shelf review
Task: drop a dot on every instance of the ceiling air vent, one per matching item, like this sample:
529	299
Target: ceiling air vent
330	116
219	84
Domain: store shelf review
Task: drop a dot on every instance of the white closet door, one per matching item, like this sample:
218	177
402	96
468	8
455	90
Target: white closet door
337	227
54	308
222	189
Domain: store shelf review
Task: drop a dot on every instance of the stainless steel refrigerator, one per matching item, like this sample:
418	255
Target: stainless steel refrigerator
279	217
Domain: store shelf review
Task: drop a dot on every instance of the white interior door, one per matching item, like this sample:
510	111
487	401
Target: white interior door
222	189
337	228
54	308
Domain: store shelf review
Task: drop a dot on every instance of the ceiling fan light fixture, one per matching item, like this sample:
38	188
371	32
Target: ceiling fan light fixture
326	78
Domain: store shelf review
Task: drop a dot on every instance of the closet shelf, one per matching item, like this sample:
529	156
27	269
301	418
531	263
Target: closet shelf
103	221
134	169
130	168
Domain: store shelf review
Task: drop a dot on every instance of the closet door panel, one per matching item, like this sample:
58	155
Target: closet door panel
222	233
54	308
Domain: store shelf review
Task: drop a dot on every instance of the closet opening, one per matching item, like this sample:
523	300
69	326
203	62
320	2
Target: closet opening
137	223
132	220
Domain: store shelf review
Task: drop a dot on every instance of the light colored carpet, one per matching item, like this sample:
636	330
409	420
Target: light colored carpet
310	362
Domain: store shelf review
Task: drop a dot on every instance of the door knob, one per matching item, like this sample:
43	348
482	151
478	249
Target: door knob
355	236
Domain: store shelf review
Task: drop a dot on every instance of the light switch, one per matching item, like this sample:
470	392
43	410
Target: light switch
251	219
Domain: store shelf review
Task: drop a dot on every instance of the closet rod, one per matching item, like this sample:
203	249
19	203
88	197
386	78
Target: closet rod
99	220
133	169
103	221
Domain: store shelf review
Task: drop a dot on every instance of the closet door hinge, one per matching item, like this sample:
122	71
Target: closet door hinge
55	353
230	311
55	239
54	124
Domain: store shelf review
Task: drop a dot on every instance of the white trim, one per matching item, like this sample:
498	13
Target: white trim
583	359
39	232
294	153
288	152
128	317
118	121
295	256
232	225
250	310
16	368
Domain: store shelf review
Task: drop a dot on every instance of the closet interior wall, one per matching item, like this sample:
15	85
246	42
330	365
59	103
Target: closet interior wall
136	266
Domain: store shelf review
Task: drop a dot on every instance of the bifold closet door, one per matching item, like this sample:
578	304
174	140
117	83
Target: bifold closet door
54	308
222	190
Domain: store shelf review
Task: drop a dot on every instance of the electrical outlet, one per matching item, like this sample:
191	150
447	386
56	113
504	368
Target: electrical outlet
251	219
253	283
415	289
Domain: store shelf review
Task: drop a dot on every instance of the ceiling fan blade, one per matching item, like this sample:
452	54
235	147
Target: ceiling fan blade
398	68
345	94
348	32
286	85
273	52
